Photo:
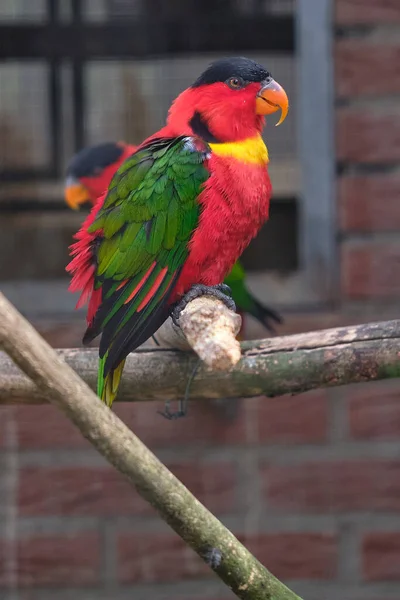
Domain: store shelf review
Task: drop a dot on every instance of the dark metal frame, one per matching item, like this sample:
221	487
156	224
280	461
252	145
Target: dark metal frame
131	39
316	137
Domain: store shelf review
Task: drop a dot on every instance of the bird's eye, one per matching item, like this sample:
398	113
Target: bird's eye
235	83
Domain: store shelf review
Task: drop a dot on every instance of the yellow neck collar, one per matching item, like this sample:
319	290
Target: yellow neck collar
252	150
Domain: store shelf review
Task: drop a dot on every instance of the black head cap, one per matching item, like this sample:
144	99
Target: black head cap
224	69
91	161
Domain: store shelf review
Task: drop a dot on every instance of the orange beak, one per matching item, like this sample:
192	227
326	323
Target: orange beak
271	98
75	195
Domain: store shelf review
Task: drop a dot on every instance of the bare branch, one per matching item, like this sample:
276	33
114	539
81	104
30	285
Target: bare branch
209	328
215	544
271	367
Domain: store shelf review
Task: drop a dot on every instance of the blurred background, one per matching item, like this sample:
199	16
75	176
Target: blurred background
310	483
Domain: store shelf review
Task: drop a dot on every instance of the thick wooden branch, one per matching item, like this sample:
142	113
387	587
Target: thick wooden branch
215	544
273	367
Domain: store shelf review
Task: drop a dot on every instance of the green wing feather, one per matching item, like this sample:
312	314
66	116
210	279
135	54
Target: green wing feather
147	220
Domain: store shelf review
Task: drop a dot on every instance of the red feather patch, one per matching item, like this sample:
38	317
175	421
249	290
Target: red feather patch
121	285
82	267
141	283
158	281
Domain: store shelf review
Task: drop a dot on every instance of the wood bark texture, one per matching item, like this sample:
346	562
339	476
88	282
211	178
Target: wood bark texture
271	367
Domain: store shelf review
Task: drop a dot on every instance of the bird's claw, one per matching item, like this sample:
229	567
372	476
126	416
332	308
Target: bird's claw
182	410
220	291
171	416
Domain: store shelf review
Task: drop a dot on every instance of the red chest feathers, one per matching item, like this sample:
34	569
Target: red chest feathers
235	205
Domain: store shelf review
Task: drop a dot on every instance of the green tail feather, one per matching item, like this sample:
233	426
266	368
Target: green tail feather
107	387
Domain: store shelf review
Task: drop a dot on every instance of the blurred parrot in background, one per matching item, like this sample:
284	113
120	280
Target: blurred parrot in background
177	214
88	176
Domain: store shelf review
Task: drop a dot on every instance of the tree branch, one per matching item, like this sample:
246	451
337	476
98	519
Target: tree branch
273	367
215	544
209	328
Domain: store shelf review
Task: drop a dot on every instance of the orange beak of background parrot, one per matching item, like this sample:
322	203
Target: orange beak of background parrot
75	195
271	98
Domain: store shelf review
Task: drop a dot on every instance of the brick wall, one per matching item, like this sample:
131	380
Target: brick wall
367	54
310	483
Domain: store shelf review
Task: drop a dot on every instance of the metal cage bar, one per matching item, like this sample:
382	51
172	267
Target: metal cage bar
316	145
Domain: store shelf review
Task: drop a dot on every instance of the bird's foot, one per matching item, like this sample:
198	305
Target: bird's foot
182	406
171	416
220	291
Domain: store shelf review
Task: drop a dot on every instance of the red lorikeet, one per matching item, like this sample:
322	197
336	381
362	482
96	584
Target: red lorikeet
178	212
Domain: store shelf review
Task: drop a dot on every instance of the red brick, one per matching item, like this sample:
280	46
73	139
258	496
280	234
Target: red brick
5	420
103	491
355	12
59	560
357	59
334	486
45	427
369	202
374	411
293	419
381	556
295	555
203	425
370	270
42	427
366	137
156	558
